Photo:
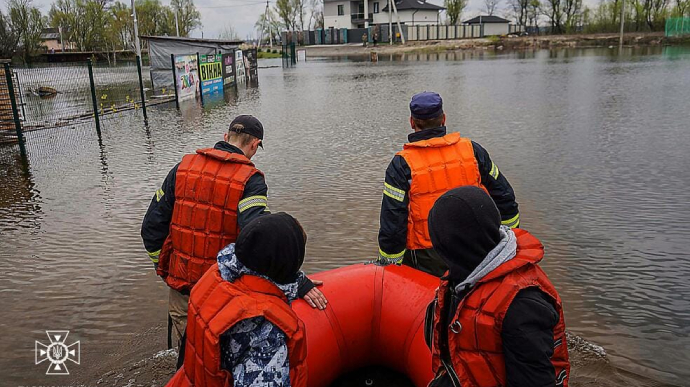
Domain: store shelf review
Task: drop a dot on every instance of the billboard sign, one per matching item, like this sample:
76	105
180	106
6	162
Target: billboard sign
186	76
228	69
251	64
239	67
211	73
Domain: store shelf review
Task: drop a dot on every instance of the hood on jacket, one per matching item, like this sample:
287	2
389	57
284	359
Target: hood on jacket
231	269
272	245
464	226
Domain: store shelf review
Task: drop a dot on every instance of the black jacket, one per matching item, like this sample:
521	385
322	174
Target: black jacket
394	213
156	225
527	337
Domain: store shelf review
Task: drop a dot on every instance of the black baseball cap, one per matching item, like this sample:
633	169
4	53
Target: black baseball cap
249	124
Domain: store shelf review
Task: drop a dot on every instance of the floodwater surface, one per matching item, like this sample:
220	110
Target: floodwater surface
594	144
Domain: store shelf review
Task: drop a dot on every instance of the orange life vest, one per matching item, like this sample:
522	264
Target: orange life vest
476	349
438	165
216	305
208	189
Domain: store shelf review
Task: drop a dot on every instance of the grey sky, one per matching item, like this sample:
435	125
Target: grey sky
242	14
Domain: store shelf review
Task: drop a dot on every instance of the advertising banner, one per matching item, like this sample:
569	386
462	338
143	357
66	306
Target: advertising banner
239	67
187	77
251	65
228	69
211	73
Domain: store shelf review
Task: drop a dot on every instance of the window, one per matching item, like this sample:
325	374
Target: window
376	7
341	10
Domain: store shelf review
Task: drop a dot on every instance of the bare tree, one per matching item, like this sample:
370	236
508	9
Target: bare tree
28	23
573	14
490	6
519	8
554	12
315	10
229	33
454	9
533	11
286	13
9	38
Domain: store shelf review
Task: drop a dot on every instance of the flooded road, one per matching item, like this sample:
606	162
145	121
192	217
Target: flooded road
595	145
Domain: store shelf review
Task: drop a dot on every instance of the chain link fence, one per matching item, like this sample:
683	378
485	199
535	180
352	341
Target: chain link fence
55	102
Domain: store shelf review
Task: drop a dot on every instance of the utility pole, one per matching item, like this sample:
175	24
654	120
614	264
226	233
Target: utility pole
390	23
177	25
62	39
395	9
620	43
263	25
136	31
366	13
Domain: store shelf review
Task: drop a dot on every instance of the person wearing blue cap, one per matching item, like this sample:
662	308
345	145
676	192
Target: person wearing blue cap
430	164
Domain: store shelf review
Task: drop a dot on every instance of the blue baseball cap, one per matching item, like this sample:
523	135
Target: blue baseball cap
426	105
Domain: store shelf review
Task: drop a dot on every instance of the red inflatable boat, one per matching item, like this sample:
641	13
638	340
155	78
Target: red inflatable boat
375	317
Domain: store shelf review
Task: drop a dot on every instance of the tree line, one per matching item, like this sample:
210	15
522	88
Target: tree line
290	15
91	25
572	16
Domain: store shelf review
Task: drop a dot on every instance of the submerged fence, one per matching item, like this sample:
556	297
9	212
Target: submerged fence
678	26
57	96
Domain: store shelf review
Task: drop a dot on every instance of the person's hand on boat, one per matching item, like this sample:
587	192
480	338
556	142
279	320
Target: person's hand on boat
315	298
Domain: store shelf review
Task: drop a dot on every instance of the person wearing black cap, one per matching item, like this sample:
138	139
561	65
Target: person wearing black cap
204	202
497	319
431	163
240	310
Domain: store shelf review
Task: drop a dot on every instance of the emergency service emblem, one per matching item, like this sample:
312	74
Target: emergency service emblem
57	353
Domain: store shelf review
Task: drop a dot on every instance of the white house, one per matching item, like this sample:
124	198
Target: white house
493	25
350	14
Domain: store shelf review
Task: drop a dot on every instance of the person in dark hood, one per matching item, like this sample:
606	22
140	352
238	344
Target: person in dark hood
497	319
240	309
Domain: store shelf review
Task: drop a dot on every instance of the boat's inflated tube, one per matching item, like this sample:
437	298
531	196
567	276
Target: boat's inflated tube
375	317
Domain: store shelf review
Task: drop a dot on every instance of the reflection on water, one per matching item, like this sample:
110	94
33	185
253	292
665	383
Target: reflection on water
594	144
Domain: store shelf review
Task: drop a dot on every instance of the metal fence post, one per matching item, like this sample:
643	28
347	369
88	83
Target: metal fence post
177	101
15	110
198	67
141	89
93	99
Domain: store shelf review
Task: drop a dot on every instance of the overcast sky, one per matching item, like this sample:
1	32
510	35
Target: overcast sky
242	14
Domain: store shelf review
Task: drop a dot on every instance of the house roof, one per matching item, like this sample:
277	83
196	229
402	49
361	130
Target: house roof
486	19
413	4
50	34
193	40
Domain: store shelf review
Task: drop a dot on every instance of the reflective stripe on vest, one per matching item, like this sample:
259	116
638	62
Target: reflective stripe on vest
438	165
208	188
216	305
474	334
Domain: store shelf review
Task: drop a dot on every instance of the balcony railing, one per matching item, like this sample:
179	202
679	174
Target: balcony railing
359	17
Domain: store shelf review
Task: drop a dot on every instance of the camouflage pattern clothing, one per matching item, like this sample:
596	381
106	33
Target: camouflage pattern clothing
254	351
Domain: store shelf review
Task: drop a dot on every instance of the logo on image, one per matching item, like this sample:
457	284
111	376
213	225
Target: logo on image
57	352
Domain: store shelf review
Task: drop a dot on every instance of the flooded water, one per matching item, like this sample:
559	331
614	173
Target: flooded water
595	145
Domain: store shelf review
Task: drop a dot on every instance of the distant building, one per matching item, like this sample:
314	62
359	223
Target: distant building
493	25
50	39
350	14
